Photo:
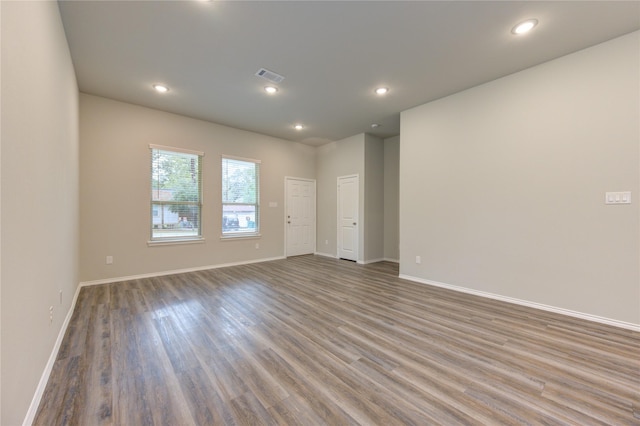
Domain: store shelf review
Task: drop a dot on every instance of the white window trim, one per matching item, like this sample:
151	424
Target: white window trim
232	157
174	149
177	241
243	236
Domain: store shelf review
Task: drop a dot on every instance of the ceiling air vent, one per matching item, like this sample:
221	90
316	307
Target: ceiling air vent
269	75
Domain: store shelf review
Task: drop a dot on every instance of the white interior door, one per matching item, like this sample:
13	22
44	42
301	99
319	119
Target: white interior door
348	217
301	216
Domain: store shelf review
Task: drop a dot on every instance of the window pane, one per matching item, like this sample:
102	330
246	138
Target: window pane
175	220
175	194
239	218
175	176
239	181
240	196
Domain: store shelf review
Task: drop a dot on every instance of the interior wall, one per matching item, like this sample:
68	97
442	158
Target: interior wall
115	189
39	178
373	199
340	158
391	198
502	186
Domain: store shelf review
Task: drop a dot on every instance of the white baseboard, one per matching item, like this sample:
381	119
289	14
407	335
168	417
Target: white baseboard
554	309
366	262
175	271
325	254
361	262
44	379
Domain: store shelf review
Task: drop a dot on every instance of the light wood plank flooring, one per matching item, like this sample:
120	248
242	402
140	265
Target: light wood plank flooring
311	340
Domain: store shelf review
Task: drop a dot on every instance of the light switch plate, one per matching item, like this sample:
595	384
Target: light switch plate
617	197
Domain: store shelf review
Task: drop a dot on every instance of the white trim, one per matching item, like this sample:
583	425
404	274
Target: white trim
175	271
168	242
174	149
44	379
233	237
387	259
298	178
247	160
366	262
325	255
540	306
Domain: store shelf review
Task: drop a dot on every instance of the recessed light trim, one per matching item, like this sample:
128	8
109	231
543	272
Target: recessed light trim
271	89
375	125
524	26
382	90
298	126
161	88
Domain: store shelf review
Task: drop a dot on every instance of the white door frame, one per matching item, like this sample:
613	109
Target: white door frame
286	209
358	226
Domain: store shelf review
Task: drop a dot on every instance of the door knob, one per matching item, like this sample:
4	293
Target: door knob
354	223
288	221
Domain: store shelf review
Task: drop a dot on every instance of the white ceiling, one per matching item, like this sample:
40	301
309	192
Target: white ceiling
333	54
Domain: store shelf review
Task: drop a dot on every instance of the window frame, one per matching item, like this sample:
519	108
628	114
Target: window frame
180	239
230	235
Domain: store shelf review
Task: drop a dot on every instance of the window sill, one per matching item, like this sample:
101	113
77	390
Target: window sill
180	241
240	237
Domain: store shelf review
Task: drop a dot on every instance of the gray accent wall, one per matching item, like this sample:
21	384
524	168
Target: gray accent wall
361	155
39	178
391	198
335	159
502	186
373	199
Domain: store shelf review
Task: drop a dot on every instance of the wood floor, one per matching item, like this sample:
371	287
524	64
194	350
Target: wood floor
312	340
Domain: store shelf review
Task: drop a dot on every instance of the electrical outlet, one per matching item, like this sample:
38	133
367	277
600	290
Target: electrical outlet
257	246
326	242
61	297
418	259
50	315
109	260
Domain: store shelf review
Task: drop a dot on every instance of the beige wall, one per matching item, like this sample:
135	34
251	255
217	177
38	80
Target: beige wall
39	195
114	171
501	189
391	198
502	186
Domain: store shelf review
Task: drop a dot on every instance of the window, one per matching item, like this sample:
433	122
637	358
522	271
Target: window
240	197
176	194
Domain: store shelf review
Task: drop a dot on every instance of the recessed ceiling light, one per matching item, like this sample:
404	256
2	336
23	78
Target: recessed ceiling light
270	89
375	125
381	90
161	88
298	127
524	27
